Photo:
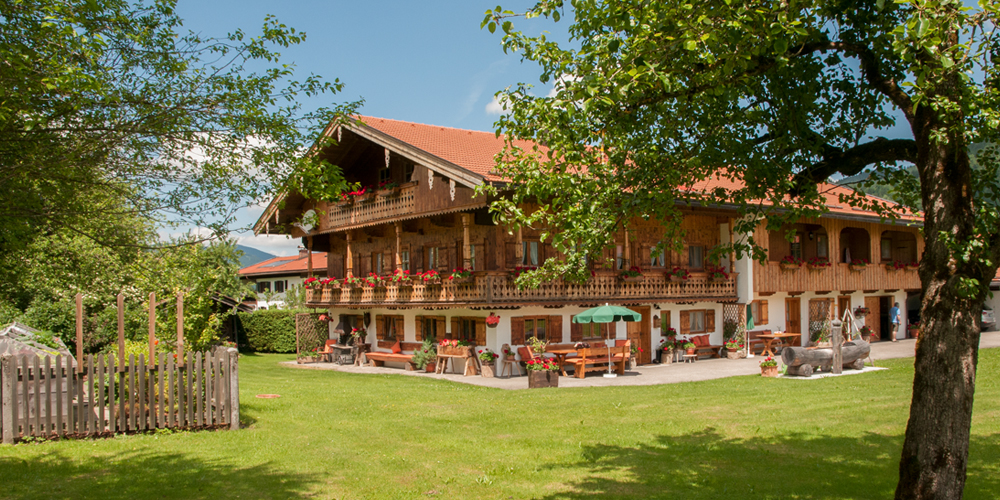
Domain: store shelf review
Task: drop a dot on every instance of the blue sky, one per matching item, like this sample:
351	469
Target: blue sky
426	62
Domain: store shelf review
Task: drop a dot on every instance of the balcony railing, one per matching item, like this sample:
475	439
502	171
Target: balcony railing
770	277
500	290
365	211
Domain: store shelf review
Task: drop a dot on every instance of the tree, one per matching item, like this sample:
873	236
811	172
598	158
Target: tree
655	97
108	110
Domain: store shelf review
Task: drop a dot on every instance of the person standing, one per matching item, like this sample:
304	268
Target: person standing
894	317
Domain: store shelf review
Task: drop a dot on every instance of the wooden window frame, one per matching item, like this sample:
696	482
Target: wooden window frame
439	328
404	259
654	257
264	286
760	316
826	245
428	250
526	253
708	322
691	263
389	328
387	177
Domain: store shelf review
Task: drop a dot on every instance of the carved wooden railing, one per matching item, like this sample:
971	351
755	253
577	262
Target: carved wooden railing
496	289
770	277
373	208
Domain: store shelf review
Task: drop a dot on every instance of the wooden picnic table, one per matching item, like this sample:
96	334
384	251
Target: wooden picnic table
561	355
771	338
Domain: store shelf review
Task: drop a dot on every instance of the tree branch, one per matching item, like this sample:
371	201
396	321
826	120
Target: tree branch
854	160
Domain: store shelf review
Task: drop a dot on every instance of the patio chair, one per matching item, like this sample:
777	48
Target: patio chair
508	365
327	352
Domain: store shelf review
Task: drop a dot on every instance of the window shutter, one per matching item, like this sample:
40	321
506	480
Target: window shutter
685	322
439	332
417	260
710	321
763	312
379	327
510	254
575	331
456	328
481	332
645	258
555	329
420	329
517	331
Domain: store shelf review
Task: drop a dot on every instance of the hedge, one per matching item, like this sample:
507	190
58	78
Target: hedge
270	330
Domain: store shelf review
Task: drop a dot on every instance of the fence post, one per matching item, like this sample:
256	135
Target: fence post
152	324
180	328
79	333
234	389
8	377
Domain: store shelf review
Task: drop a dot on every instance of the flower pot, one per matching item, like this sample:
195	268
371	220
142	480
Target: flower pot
856	268
430	367
487	370
913	333
691	351
462	281
538	379
667	357
733	353
788	266
769	371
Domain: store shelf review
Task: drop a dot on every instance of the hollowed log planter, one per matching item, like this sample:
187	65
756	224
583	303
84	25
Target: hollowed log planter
542	378
769	371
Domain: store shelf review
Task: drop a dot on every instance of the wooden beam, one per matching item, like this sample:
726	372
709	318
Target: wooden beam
466	251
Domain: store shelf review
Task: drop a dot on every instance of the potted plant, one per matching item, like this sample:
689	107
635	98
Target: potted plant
632	360
716	273
542	373
460	275
912	266
537	345
861	311
896	265
509	354
351	282
677	275
387	188
913	329
313	292
769	367
429	277
486	361
858	264
374	281
819	263
448	347
401	278
689	347
665	352
866	333
790	263
492	321
425	357
733	348
632	275
310	356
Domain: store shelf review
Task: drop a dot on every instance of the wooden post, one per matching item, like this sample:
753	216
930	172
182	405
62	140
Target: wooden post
152	324
79	333
8	376
121	332
836	327
309	254
399	245
349	258
627	256
180	328
519	248
466	251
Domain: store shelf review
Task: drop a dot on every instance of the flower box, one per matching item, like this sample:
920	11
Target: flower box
538	379
677	279
912	267
460	351
632	279
788	266
857	267
818	267
462	281
385	193
769	371
345	203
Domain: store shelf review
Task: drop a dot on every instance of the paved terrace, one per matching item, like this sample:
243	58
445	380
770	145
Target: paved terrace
705	369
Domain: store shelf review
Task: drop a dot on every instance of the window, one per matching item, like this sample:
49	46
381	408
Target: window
404	256
280	286
263	286
822	246
432	258
886	249
535	327
408	172
697	321
430	330
472	257
796	250
467	330
529	253
696	257
619	257
377	263
657	259
758	309
384	175
595	331
392	328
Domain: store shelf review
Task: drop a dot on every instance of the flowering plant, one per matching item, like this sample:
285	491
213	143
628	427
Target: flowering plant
768	362
537	344
460	273
678	272
666	345
329	281
387	185
791	260
541	365
358	334
453	343
374	280
819	262
400	277
492	320
913	265
354	194
689	345
896	265
508	353
860	262
632	272
311	282
718	273
864	330
861	311
429	275
487	356
352	281
523	269
732	344
670	333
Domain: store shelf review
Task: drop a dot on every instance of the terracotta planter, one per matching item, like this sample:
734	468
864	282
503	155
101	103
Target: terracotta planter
538	379
487	370
733	353
788	267
691	350
430	367
914	332
769	371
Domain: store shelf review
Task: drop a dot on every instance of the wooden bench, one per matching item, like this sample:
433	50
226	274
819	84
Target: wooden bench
700	350
379	359
597	359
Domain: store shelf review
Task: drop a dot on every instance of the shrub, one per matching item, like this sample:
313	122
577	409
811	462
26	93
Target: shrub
271	330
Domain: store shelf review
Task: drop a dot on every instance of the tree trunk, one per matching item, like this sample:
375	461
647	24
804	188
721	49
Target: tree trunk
936	446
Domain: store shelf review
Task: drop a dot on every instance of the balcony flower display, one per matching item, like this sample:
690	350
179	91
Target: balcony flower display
387	188
460	275
311	283
677	274
790	262
912	266
428	277
716	273
329	282
858	264
373	280
352	282
400	278
632	274
523	269
896	265
819	263
492	320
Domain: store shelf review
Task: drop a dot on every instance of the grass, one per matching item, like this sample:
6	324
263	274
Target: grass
337	435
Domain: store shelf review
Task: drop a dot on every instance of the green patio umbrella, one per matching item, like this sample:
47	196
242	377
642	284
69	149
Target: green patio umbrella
607	314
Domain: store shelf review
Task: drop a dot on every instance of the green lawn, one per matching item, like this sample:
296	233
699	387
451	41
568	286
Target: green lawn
335	435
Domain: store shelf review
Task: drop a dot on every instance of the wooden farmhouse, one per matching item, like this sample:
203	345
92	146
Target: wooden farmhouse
427	217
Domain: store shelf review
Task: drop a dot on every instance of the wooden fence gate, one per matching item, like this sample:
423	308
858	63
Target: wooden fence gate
50	397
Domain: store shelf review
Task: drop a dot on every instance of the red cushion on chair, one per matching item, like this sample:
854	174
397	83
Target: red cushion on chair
620	342
396	349
525	353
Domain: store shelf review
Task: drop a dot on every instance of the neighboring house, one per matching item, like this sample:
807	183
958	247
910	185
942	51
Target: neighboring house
272	278
430	219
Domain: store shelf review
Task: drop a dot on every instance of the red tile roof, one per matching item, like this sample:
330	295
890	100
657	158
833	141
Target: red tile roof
295	264
475	151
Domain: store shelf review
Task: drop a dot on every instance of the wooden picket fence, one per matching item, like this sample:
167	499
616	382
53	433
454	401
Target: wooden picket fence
53	397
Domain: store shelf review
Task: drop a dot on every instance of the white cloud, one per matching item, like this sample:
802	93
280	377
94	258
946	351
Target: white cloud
279	245
494	107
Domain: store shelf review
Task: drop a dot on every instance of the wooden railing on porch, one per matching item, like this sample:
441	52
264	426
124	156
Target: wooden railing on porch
374	209
499	289
770	277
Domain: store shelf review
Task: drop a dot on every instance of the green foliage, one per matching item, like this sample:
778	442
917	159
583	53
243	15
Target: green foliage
271	330
426	354
295	297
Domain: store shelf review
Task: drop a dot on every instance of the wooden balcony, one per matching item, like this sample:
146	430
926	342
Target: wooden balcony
770	277
371	210
498	289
